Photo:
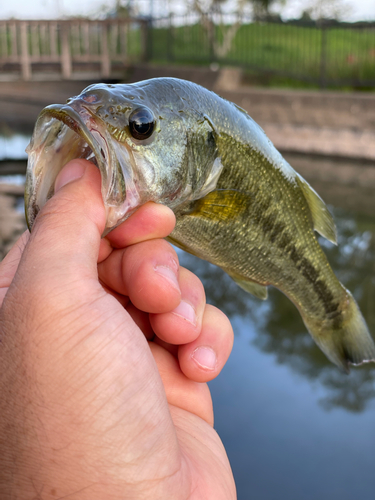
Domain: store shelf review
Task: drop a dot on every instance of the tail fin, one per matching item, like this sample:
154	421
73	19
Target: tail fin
350	343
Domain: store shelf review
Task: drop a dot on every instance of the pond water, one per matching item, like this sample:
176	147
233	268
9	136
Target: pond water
13	147
294	427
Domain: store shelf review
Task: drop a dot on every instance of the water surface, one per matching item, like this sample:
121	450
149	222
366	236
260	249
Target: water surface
13	147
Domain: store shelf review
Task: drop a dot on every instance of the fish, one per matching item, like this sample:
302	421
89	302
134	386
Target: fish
238	203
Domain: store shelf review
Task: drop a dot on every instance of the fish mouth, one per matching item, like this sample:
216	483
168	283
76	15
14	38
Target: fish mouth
62	134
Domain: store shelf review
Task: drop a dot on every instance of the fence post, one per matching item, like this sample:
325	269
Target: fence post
147	40
211	36
170	39
66	61
323	55
13	31
25	58
106	61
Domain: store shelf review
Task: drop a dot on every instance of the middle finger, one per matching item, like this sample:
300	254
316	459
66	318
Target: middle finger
182	324
147	273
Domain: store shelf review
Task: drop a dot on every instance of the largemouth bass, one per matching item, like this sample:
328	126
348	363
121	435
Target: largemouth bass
238	203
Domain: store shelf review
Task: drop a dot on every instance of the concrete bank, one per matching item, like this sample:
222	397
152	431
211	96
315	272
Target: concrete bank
21	102
311	122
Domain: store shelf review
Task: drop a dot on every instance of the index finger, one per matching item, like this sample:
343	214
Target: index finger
150	221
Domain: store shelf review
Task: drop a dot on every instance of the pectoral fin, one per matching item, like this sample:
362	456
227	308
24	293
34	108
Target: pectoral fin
221	205
218	206
322	219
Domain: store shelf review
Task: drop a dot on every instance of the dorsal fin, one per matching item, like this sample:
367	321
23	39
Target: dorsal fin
322	219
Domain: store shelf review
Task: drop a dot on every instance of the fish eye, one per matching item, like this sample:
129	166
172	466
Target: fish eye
141	124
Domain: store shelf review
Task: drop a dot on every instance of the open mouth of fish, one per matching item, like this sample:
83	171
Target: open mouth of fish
62	134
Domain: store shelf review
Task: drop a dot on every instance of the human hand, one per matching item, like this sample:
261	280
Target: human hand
102	391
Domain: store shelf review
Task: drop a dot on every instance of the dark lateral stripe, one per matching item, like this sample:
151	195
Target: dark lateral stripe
278	234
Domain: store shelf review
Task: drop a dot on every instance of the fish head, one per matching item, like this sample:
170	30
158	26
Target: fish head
136	134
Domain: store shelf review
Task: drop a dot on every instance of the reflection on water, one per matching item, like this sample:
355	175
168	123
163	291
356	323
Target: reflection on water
13	147
12	219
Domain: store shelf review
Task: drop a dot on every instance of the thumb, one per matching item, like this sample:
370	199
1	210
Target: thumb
66	234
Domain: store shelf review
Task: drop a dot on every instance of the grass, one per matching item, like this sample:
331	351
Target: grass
342	56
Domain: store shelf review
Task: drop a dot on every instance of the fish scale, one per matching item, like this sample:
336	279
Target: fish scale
238	203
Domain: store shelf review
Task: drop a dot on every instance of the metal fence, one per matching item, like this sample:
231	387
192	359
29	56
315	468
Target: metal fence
327	54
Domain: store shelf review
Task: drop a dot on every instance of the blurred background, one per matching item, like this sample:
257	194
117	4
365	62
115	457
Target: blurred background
294	427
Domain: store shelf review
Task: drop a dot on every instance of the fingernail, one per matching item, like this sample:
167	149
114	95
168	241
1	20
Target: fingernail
169	274
69	174
205	357
186	311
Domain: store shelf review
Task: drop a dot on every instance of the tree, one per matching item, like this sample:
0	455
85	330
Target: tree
206	10
210	9
326	9
261	8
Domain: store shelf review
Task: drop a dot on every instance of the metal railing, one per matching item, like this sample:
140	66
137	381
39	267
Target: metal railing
65	46
325	53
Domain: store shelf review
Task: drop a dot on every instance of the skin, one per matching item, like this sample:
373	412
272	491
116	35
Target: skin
106	345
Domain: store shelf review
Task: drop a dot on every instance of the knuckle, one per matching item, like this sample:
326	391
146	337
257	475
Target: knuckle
54	210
